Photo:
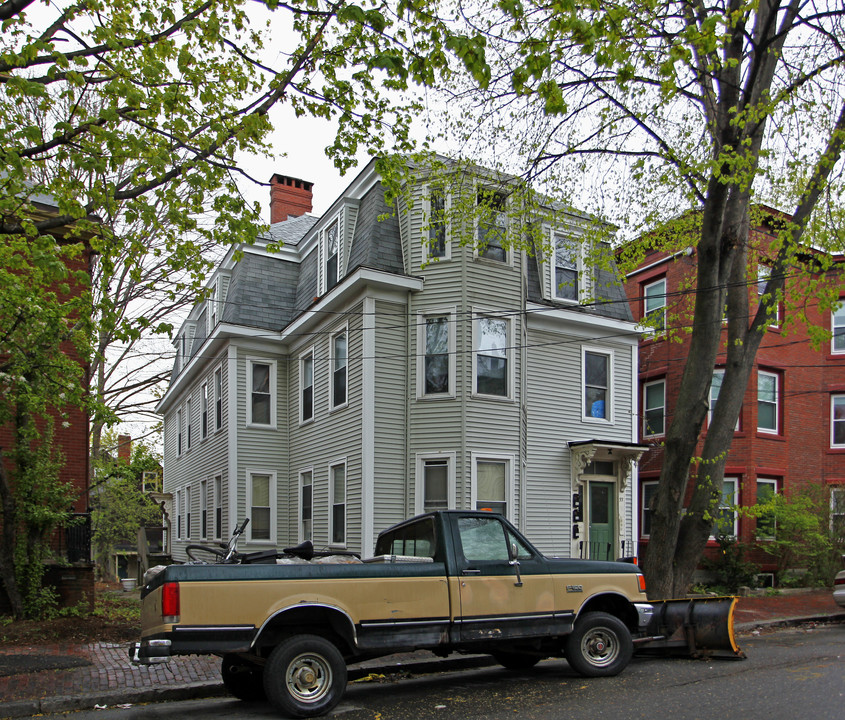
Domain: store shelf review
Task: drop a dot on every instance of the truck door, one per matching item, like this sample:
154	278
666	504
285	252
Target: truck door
496	601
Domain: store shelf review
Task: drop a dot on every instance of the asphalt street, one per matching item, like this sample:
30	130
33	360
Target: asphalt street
795	672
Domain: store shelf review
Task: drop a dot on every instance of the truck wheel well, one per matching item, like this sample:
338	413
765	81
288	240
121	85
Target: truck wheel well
326	622
612	604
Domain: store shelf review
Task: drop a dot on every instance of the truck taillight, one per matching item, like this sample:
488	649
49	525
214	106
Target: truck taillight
641	581
170	602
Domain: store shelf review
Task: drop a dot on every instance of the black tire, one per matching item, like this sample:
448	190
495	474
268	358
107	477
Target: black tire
600	645
516	660
244	680
305	676
198	553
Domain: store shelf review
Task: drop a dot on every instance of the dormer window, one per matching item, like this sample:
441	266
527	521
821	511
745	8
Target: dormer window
566	278
332	255
492	225
212	309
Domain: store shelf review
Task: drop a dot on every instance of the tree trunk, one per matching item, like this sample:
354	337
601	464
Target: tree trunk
7	547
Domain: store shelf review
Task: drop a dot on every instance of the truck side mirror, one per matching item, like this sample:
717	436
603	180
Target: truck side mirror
514	562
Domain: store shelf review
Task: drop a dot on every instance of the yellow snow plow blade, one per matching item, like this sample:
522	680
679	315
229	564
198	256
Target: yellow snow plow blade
693	627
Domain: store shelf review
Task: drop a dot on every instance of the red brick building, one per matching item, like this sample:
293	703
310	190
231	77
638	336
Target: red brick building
791	429
71	439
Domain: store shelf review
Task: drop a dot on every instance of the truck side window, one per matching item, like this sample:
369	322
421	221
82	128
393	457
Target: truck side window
416	539
483	539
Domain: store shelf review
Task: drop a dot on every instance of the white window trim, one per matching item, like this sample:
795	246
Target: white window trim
508	459
764	272
340	331
274	503
177	513
180	440
188	514
215	399
774	482
450	313
302	357
661	381
334	464
217	501
609	404
508	261
211	309
205	408
646	286
250	361
324	253
833	326
643	485
477	314
711	405
188	424
299	485
833	399
427	258
203	518
735	480
776	376
585	278
451	492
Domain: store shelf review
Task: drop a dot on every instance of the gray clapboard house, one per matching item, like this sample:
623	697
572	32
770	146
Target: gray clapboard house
373	369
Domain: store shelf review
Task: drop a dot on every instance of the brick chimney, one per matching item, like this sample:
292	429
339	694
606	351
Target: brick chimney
289	197
124	447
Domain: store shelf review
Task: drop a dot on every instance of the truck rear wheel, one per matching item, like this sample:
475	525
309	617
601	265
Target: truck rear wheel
600	645
244	680
305	676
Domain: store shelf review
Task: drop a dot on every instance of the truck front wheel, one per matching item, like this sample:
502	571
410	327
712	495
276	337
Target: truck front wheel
600	645
305	676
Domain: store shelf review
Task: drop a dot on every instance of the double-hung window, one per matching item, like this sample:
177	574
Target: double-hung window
837	513
492	356
492	226
649	490
337	487
340	362
179	431
189	421
726	519
767	401
654	304
715	389
188	508
261	398
306	506
654	408
596	371
436	222
204	411
566	279
218	399
837	421
837	326
764	272
261	501
203	509
491	483
766	521
306	379
436	338
332	241
218	507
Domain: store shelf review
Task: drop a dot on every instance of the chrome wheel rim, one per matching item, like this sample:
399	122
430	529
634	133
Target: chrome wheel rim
308	678
600	647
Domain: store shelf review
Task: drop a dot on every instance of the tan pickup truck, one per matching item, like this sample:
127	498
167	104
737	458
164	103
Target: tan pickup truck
448	581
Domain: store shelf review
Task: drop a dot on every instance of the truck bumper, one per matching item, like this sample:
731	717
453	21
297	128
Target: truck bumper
149	652
645	611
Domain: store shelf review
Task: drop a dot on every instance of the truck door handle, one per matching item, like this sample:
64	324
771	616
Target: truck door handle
471	571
